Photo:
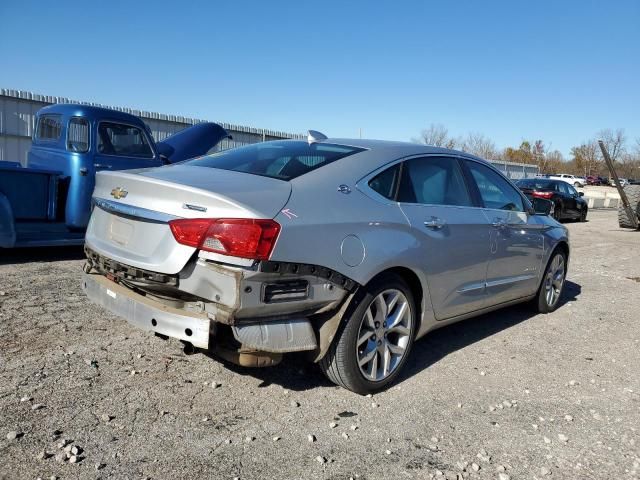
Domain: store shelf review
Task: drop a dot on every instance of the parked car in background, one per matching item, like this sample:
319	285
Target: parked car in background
595	180
623	182
570	179
568	203
48	202
347	249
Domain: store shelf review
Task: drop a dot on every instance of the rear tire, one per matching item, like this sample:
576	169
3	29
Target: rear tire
375	338
552	284
633	194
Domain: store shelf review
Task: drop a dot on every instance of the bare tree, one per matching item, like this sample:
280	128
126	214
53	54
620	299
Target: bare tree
586	158
436	135
614	141
478	144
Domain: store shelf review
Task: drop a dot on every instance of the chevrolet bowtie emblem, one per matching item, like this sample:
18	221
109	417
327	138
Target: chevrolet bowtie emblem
119	193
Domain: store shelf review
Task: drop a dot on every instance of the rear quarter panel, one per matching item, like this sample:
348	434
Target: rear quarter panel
352	233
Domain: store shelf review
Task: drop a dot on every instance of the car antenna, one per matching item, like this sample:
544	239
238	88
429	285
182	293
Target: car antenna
314	136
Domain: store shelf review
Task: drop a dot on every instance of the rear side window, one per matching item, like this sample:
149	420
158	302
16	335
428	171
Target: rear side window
282	159
537	184
496	192
78	135
385	183
433	181
122	140
49	127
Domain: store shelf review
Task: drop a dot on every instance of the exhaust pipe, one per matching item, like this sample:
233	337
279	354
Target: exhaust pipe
189	349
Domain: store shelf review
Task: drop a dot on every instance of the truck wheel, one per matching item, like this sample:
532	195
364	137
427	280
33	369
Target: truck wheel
552	284
375	339
633	194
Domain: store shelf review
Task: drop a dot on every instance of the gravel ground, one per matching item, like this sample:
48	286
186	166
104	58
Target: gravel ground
507	395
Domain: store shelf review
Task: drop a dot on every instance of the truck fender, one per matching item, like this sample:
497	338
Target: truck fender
7	223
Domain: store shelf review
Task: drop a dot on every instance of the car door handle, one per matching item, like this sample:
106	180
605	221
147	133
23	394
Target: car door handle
435	223
499	224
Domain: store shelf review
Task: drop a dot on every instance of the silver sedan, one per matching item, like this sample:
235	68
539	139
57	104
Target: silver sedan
348	250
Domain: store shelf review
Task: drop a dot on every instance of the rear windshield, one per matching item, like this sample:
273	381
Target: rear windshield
283	159
536	183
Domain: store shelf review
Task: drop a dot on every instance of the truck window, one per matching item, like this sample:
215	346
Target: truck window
78	135
122	140
49	128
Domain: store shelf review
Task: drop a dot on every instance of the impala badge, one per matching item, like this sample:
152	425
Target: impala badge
119	193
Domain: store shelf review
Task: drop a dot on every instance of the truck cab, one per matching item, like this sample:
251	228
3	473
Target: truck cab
48	202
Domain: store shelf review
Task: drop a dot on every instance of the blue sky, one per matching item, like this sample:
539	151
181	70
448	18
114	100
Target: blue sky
556	70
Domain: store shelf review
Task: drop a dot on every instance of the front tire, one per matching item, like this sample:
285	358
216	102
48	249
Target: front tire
552	284
375	338
583	215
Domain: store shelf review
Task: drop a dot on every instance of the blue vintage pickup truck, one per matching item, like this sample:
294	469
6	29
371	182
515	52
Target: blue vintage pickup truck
48	202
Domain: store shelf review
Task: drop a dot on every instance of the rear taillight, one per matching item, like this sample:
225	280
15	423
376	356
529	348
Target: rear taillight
546	195
238	237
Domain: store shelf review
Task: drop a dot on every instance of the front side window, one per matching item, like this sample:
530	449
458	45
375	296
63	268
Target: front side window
78	135
122	140
572	191
496	192
49	127
433	181
282	159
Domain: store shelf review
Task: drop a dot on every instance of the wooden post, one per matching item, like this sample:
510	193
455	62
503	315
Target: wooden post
623	196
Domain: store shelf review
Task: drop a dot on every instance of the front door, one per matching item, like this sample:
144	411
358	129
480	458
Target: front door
453	234
516	245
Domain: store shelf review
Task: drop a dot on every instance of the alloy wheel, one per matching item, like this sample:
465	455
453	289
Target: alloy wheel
554	280
384	335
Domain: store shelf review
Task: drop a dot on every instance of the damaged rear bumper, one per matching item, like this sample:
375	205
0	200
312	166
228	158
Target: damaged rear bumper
147	314
293	335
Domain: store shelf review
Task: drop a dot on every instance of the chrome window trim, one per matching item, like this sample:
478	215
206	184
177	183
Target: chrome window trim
132	211
151	142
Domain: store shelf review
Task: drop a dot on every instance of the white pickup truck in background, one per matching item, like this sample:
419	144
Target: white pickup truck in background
570	179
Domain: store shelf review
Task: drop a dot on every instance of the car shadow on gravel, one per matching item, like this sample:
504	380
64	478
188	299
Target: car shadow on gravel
440	343
298	374
40	254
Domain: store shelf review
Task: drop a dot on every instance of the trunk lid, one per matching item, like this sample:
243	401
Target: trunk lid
129	223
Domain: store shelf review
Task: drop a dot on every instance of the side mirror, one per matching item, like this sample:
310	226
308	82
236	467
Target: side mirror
164	159
542	206
581	194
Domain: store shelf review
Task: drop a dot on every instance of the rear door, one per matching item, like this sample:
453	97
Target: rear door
568	199
453	234
517	245
120	146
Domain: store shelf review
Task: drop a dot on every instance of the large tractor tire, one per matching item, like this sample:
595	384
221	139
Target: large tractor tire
633	194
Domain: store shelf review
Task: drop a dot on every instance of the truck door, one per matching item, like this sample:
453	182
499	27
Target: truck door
120	146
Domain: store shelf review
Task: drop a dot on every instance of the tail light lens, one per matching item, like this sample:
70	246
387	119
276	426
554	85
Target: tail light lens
238	237
546	195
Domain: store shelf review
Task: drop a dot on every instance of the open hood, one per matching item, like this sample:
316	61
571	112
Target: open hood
192	141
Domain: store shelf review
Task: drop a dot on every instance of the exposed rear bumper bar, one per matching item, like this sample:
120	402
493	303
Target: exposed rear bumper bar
147	314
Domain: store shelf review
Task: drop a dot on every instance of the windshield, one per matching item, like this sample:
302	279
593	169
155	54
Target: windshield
282	159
